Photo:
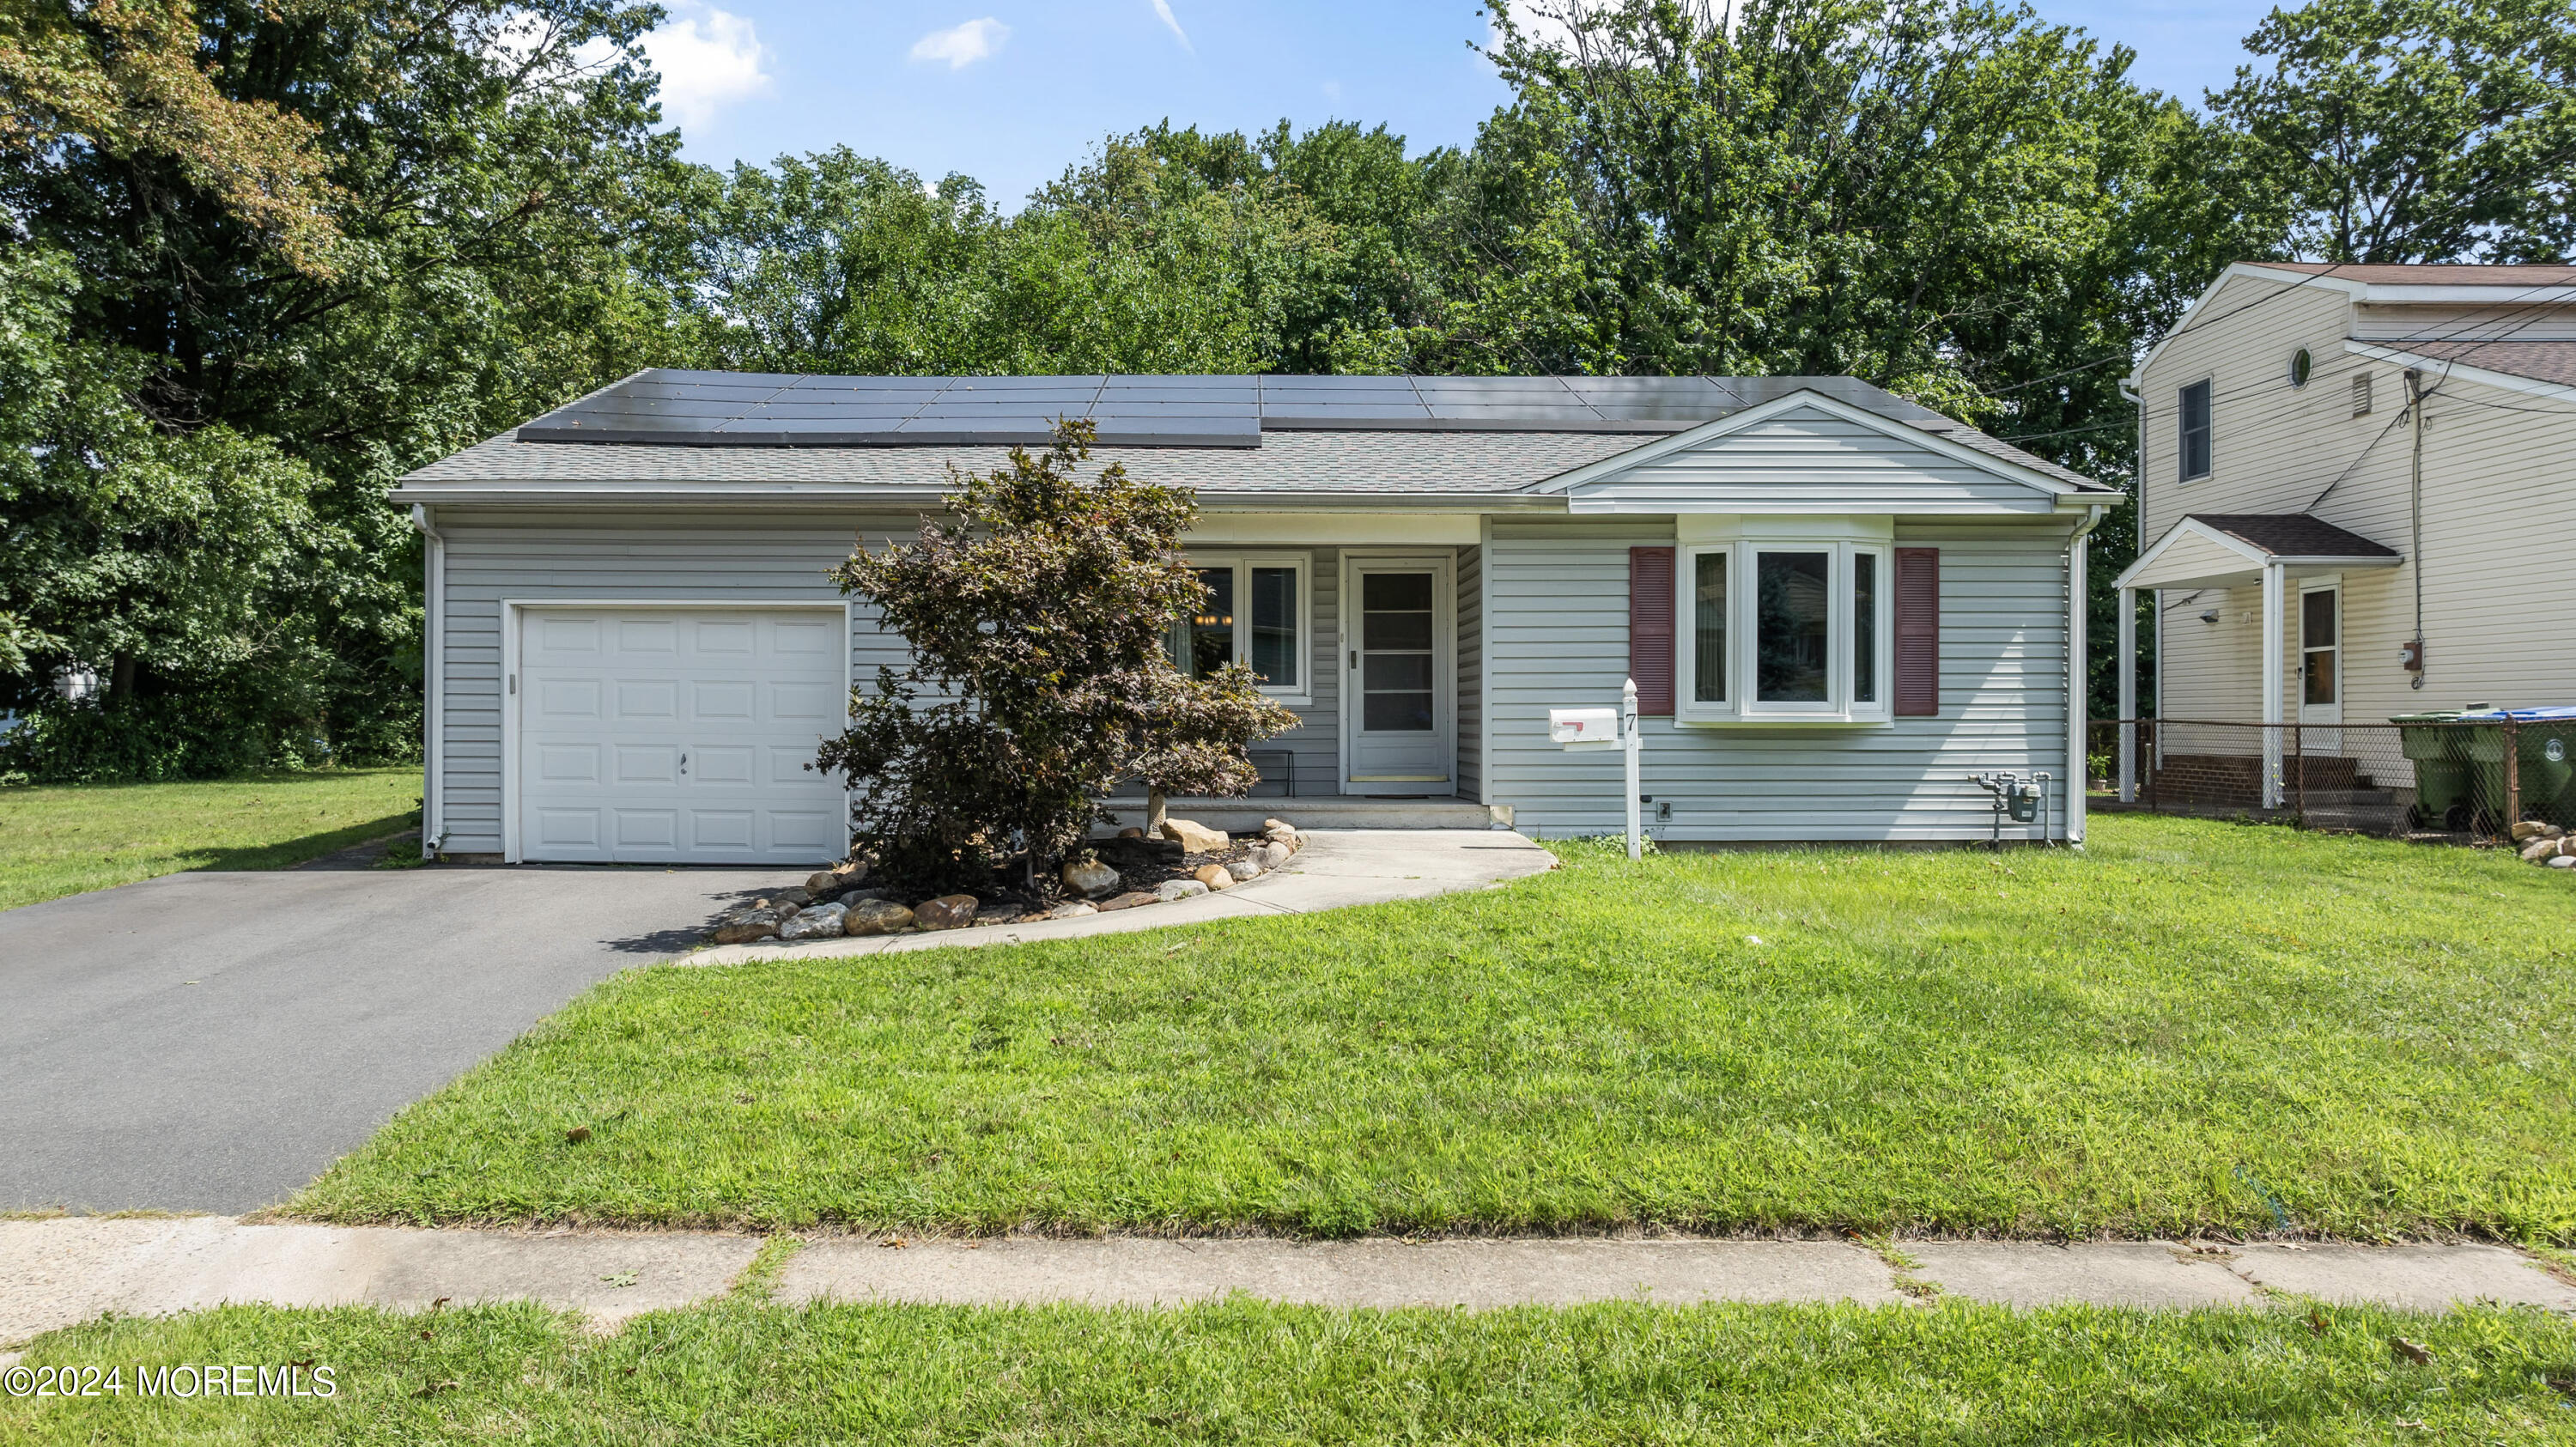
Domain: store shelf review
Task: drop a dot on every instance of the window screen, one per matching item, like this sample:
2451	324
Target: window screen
1207	636
1274	626
1708	628
2195	431
1864	628
1793	635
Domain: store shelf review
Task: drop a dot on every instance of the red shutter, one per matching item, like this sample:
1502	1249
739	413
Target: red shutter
1651	605
1918	632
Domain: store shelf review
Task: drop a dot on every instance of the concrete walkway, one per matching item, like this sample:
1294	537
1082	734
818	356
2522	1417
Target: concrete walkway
1337	867
54	1273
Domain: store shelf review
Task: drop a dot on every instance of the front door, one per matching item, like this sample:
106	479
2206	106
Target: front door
2321	665
1399	730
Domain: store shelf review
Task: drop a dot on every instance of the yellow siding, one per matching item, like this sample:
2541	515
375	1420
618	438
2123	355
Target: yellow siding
2499	546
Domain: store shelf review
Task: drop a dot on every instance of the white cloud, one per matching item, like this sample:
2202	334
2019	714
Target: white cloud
1333	91
1163	8
1544	23
708	59
962	45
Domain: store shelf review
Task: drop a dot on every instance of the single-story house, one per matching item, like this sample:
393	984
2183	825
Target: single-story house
1838	606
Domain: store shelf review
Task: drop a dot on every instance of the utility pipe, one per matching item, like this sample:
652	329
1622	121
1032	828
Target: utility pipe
433	690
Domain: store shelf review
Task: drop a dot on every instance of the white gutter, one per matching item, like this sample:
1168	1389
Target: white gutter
2077	675
433	692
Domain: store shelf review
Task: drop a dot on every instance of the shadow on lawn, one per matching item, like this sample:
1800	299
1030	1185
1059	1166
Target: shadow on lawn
309	849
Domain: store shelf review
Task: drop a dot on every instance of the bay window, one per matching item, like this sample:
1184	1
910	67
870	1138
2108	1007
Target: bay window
1258	612
1786	624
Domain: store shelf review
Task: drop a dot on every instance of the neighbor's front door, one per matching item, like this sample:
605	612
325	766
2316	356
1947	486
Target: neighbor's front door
1399	708
2321	665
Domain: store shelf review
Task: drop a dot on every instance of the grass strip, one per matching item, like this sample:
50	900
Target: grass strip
2192	1027
1245	1371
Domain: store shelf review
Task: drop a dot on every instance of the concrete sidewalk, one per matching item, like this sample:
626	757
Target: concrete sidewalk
55	1273
1338	867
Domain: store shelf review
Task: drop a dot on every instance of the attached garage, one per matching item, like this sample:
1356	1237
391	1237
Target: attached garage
673	733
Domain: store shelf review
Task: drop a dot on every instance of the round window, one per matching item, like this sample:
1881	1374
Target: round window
2300	365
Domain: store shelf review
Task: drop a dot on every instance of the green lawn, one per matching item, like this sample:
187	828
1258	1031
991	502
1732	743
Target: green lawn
60	839
740	1372
2194	1025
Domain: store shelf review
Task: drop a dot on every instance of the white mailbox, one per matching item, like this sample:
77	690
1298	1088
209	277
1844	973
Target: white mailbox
1584	728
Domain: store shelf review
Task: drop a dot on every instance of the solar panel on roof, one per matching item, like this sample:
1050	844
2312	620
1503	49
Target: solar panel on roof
780	409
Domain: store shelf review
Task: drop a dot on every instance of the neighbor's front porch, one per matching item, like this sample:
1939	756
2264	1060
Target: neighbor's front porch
2214	553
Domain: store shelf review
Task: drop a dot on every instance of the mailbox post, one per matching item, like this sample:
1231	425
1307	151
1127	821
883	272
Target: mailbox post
1635	741
1583	730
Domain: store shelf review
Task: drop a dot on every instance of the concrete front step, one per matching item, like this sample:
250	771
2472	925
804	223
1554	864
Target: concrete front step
1244	816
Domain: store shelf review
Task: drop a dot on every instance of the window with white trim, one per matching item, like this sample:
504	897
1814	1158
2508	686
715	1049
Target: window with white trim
1258	612
1784	630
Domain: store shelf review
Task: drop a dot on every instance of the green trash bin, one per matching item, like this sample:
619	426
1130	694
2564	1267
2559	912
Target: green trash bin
2546	740
2441	760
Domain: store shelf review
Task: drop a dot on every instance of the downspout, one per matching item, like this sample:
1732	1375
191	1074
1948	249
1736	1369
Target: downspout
433	691
2076	675
2415	505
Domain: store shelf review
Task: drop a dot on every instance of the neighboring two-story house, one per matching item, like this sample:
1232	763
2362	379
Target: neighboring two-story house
2357	499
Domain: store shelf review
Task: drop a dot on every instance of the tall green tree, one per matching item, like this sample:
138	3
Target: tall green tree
359	233
2407	130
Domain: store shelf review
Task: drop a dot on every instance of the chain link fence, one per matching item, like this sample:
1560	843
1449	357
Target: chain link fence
2459	780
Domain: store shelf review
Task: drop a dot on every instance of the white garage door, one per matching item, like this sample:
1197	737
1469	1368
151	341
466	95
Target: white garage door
659	735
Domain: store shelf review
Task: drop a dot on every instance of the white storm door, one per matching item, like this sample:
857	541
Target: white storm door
2321	664
680	735
1398	702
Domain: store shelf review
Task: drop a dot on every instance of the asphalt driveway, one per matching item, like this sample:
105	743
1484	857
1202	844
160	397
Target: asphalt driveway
208	1042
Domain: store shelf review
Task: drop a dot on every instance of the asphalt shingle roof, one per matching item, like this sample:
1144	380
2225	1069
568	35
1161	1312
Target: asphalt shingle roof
2543	361
1335	461
1453	436
2294	535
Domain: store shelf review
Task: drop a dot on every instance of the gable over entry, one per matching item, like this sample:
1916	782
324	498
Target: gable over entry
2237	550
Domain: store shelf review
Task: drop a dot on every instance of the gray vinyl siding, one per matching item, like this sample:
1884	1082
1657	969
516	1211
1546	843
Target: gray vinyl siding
1556	634
1471	674
1807	460
716	558
670	558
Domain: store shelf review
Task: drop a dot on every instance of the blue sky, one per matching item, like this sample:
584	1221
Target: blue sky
1012	91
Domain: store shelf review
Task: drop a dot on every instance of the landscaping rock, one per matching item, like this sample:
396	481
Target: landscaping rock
858	897
793	894
1243	869
1002	911
1090	876
1214	876
2530	829
1073	909
1271	856
1172	889
1130	899
948	911
816	923
854	872
1195	838
1131	832
2561	861
742	927
2538	849
876	917
822	884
